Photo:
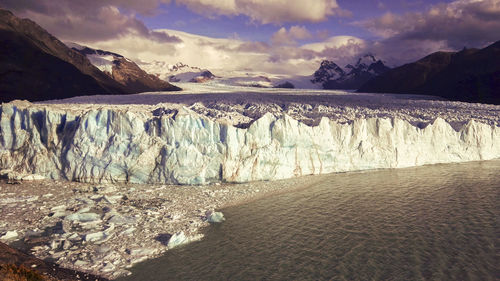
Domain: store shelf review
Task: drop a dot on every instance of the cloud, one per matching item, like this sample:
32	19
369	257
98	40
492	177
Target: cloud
113	25
234	54
290	37
90	20
269	11
460	23
334	42
82	7
442	27
253	47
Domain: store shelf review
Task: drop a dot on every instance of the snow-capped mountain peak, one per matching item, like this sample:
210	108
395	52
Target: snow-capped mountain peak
181	67
328	70
365	61
178	72
331	76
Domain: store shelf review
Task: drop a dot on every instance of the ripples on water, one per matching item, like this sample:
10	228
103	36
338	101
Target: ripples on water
436	222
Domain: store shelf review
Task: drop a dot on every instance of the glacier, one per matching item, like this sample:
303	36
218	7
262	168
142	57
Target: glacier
112	144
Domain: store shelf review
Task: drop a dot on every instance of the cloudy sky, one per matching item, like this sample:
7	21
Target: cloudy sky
278	36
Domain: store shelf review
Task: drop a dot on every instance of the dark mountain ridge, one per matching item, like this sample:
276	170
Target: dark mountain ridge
470	75
34	65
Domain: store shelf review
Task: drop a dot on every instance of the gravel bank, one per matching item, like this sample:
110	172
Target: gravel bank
105	229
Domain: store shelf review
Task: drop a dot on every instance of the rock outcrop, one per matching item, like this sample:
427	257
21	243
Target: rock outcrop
112	145
134	78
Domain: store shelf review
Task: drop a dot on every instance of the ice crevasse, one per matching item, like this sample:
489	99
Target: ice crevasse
111	145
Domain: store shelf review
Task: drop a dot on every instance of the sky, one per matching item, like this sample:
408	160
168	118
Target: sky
273	36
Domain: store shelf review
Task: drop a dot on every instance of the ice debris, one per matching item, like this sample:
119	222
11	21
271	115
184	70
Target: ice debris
215	217
177	239
10	235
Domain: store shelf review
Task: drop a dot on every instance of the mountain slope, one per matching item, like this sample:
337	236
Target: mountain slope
26	72
470	75
36	66
331	76
125	71
328	71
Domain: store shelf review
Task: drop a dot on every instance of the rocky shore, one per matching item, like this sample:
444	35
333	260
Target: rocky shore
18	266
105	229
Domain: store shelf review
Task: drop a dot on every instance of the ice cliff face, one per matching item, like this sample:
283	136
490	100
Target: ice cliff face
113	145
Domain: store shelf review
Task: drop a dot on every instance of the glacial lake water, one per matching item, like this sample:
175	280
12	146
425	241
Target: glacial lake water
439	222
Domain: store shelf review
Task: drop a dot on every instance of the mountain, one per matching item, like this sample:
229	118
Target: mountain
332	76
178	72
124	71
471	75
328	71
34	65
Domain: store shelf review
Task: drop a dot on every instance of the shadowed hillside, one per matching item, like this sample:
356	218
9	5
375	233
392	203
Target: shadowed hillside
471	75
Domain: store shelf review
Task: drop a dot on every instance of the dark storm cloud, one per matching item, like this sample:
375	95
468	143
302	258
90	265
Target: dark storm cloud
89	20
24	5
458	24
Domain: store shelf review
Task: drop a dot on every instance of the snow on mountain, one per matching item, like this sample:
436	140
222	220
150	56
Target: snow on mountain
365	61
104	63
178	72
164	70
99	58
257	79
246	79
123	70
182	73
349	77
327	71
331	76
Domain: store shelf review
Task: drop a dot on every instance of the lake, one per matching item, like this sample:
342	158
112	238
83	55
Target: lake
438	222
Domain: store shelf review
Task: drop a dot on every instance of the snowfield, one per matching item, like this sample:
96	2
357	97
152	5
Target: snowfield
212	133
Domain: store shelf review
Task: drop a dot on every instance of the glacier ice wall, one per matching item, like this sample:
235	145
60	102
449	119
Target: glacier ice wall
111	145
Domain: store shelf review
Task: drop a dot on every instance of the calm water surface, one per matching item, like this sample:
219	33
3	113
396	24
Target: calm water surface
438	222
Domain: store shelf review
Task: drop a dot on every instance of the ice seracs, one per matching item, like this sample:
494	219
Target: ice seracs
115	145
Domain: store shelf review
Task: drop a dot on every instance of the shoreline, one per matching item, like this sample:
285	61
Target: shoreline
110	237
106	229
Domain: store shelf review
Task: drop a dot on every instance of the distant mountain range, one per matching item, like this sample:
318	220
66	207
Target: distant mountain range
471	75
178	72
37	66
34	65
351	77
